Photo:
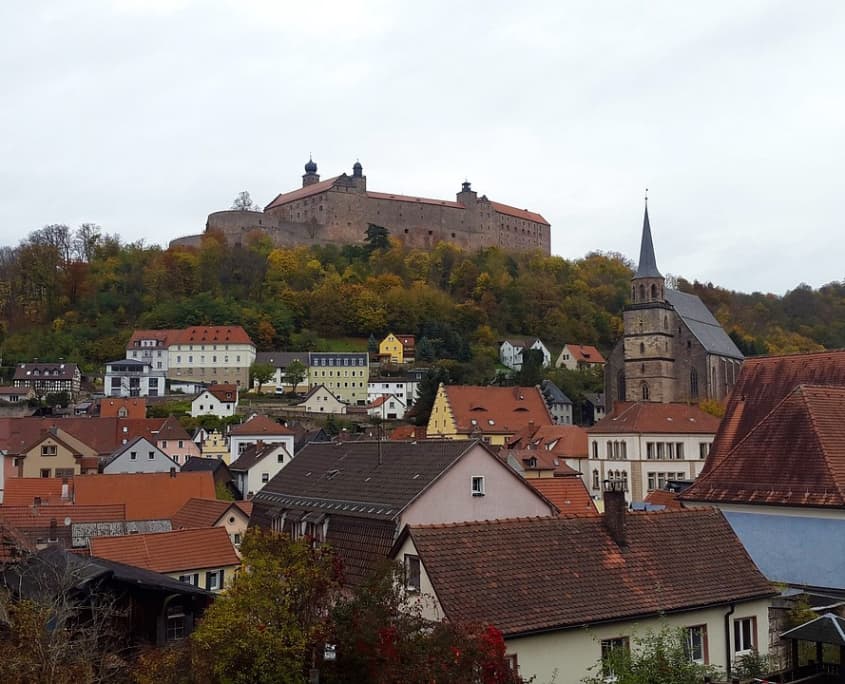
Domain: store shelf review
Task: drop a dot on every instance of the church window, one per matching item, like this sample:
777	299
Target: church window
642	293
653	291
595	478
642	348
666	322
693	383
644	391
633	293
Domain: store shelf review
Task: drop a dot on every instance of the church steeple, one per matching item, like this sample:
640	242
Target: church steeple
648	283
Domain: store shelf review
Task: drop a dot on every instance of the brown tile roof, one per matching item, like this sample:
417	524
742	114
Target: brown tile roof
22	491
349	474
169	551
27	518
172	429
567	493
224	392
299	193
362	545
260	425
212	334
496	410
585	353
762	384
136	407
795	456
651	417
561	441
147	496
403	432
518	213
200	513
479	571
51	371
164	337
663	497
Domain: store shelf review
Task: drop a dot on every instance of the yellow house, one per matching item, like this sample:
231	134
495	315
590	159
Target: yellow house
215	446
392	346
56	453
492	414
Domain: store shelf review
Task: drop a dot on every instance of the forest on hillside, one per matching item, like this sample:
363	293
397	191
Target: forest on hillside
78	293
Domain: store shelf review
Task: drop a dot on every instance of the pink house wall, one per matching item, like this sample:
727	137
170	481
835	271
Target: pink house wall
450	498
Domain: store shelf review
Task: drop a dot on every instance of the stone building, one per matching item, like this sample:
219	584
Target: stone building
673	349
339	209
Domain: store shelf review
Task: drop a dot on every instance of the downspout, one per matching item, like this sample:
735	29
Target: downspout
728	641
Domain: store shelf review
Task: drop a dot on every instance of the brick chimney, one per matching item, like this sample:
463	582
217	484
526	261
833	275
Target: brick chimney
615	511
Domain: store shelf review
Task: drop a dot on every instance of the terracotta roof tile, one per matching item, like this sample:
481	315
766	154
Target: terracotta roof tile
795	456
163	337
567	493
585	353
518	213
651	417
587	578
22	491
200	513
299	193
172	429
260	425
169	551
663	497
30	517
496	410
147	496
224	392
212	334
561	441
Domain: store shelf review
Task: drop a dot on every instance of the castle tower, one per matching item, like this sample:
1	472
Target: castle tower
649	366
310	176
467	196
358	177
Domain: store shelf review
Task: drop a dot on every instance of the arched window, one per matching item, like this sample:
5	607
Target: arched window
642	348
642	292
595	478
609	450
693	383
620	385
633	294
653	291
644	391
666	322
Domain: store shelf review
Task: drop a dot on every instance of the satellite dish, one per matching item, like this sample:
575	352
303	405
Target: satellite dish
67	522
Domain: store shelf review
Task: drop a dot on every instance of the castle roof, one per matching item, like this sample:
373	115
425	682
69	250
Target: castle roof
299	193
647	267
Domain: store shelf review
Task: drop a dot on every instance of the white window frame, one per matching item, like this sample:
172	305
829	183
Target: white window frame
740	645
476	486
413	571
701	631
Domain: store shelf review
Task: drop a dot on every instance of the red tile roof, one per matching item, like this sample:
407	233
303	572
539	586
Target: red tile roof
479	571
30	517
22	491
172	429
200	513
299	193
795	456
762	384
147	496
224	392
562	441
584	353
651	417
567	493
663	497
496	410
212	334
164	337
518	213
260	425
135	407
169	551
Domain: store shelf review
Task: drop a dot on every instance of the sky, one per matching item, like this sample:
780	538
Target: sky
143	116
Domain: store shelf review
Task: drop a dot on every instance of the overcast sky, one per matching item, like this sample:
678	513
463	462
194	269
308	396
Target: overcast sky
145	115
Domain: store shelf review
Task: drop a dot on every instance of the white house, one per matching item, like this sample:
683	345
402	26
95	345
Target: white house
139	456
403	387
387	407
133	378
579	357
258	429
643	445
510	352
321	400
280	361
596	584
257	465
216	400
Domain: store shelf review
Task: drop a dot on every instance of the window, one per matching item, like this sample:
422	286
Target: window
151	455
181	445
280	458
133	455
236	539
477	485
693	383
265	478
190	579
175	628
612	650
64	472
745	635
679	451
595	478
412	572
45	472
214	580
595	449
703	450
696	646
48	450
644	391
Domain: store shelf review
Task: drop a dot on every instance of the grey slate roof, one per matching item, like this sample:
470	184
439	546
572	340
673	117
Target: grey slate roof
702	324
198	463
347	477
647	267
280	359
553	393
253	454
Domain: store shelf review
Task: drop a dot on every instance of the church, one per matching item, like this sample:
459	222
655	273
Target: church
673	349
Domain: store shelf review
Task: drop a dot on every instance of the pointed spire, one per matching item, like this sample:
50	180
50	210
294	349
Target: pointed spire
647	267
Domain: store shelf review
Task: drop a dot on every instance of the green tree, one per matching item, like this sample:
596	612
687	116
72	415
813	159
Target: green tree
531	371
426	393
372	344
264	628
295	373
261	373
656	658
377	237
423	350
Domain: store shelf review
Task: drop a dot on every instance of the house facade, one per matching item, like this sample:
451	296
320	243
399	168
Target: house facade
257	465
645	445
48	378
217	400
579	357
321	400
403	387
493	414
345	374
560	406
258	429
280	360
133	378
16	395
175	441
55	453
555	634
233	516
140	456
510	352
397	348
387	407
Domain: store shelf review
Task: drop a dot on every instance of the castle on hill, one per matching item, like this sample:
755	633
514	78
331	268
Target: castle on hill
339	209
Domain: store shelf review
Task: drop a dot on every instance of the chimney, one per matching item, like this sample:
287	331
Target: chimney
173	472
65	489
614	511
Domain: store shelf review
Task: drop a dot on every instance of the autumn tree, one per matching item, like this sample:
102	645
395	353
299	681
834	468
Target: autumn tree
261	373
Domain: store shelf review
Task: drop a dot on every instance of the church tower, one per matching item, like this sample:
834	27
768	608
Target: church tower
649	366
